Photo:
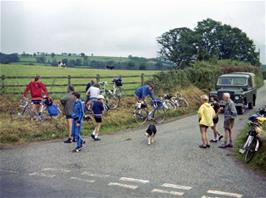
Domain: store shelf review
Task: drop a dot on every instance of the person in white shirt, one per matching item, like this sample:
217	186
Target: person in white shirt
92	93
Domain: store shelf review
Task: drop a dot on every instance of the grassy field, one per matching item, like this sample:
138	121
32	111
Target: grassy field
27	70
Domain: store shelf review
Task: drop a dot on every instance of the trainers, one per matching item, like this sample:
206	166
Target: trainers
76	150
93	136
202	146
223	146
213	140
97	139
230	145
74	140
69	140
220	137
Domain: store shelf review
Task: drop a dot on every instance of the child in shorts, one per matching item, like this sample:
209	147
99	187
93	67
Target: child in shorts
97	109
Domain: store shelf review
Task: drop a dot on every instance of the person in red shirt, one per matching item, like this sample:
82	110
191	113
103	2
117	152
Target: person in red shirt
38	91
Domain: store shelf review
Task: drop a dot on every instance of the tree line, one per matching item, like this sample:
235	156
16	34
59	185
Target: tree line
210	40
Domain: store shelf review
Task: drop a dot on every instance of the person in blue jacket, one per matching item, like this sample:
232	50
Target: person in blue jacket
78	113
142	92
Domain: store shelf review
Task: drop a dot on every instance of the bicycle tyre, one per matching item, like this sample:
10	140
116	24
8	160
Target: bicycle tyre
141	115
113	102
182	102
170	104
250	150
159	115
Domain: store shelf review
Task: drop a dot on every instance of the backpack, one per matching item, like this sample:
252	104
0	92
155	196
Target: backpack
53	110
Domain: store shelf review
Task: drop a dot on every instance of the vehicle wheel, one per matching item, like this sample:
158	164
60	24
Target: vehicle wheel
250	105
254	100
240	110
159	115
140	115
250	151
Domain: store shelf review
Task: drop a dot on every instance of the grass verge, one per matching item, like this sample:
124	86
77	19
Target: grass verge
25	131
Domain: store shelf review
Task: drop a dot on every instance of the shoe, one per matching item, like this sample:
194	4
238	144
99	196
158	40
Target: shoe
83	142
213	141
208	146
69	140
76	150
74	140
93	136
230	145
223	146
220	137
97	139
202	146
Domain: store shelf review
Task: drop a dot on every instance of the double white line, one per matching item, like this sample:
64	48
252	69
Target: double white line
172	192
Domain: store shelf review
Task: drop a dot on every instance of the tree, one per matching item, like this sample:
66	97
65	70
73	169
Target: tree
52	55
40	59
178	46
8	58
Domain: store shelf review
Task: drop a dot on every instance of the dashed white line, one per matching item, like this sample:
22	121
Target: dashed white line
216	192
55	169
133	187
127	179
41	175
94	174
8	171
176	186
167	192
83	180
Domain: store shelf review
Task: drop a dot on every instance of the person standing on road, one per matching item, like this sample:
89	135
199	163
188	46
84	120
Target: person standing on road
38	91
215	105
206	114
77	116
230	114
97	109
68	102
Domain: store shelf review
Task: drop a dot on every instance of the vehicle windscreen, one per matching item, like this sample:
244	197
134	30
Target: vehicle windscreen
232	81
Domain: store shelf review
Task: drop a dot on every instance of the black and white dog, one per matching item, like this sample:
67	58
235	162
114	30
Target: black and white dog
150	133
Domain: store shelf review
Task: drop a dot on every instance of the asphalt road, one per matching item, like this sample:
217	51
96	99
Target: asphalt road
123	165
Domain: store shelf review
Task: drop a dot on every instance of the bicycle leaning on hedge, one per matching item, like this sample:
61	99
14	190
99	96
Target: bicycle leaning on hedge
174	102
252	142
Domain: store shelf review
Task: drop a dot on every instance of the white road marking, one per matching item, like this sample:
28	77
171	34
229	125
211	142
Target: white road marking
167	192
41	175
8	171
123	185
204	196
224	193
134	180
55	169
176	186
94	174
83	180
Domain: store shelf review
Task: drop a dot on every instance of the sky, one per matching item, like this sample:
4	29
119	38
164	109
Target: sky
117	27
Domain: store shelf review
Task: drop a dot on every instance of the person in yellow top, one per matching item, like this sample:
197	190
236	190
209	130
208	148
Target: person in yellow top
206	114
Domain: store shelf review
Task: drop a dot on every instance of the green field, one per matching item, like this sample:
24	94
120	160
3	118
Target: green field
26	70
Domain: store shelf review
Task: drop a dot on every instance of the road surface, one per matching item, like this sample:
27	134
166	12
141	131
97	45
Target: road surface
123	165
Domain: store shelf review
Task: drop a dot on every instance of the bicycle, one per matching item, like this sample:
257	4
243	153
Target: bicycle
112	97
252	142
157	114
174	102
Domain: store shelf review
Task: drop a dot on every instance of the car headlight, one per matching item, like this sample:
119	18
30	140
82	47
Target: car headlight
237	97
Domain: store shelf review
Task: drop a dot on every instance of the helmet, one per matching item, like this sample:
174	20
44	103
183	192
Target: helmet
100	97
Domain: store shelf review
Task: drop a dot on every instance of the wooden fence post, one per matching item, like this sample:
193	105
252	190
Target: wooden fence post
69	80
3	83
98	78
142	79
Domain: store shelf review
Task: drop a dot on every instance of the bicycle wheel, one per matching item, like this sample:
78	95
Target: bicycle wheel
250	150
159	115
140	115
113	102
170	104
182	102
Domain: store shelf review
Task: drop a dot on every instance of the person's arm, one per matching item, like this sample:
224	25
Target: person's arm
233	110
44	89
26	90
200	112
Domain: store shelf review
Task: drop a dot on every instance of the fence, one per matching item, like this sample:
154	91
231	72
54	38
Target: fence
14	85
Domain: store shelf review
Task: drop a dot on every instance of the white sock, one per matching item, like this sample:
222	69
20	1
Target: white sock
93	132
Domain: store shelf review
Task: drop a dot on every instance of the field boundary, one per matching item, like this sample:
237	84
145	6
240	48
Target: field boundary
68	78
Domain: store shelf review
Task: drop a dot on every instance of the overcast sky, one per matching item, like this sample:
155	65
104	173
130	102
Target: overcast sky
117	27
